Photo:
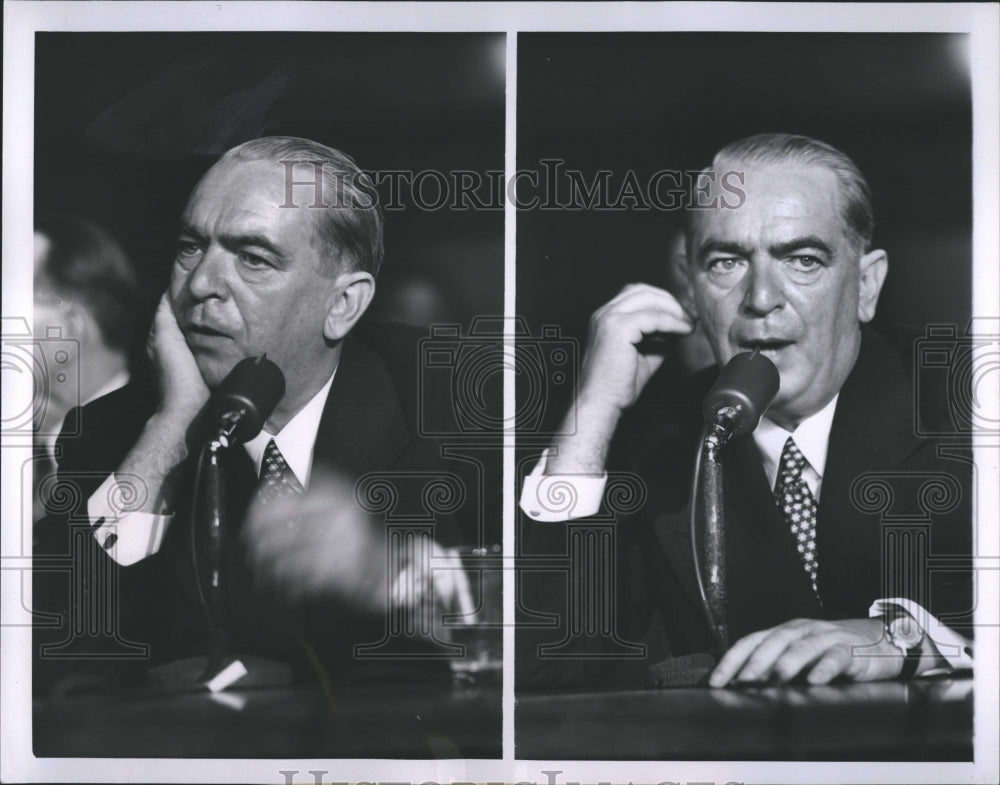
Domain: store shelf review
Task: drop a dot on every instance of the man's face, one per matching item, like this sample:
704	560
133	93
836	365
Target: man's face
781	274
250	276
55	317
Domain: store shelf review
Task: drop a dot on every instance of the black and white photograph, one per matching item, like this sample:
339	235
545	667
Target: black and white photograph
725	562
244	245
545	393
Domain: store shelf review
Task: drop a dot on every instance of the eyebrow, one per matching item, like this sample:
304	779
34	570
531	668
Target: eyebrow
779	249
722	246
233	241
187	229
810	241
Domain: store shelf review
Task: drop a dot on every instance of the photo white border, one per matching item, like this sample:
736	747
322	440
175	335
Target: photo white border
23	19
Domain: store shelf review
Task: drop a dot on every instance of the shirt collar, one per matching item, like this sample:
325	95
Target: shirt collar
812	437
297	439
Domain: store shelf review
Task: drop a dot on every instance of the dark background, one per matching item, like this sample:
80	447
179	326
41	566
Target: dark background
898	104
126	123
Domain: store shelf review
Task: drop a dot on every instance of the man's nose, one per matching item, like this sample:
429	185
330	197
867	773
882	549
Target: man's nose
208	278
764	291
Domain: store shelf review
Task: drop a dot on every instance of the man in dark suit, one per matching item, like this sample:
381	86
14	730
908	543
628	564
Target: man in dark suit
280	244
788	270
85	291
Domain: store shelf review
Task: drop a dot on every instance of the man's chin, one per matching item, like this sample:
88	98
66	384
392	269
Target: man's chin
215	369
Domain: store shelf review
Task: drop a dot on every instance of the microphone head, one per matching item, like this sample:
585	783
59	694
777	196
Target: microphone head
742	393
248	394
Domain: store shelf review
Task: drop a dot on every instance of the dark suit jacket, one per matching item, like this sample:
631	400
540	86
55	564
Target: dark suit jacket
370	424
873	457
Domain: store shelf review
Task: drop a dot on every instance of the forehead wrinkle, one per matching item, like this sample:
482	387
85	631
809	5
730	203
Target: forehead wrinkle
247	198
783	204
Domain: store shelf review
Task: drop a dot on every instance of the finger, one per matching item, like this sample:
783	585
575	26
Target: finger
157	327
627	291
459	588
832	664
632	326
164	321
401	595
645	299
801	654
760	665
733	659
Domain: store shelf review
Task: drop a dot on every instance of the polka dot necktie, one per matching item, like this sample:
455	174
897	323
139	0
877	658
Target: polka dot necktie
277	480
798	505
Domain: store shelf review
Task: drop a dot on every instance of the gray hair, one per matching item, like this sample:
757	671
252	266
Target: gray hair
772	148
352	226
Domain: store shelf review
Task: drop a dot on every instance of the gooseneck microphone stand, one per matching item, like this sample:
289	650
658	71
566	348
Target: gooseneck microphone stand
733	407
707	488
237	411
715	538
210	517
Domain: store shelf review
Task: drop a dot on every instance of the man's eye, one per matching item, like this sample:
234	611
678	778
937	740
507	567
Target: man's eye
186	249
723	265
252	260
188	253
805	264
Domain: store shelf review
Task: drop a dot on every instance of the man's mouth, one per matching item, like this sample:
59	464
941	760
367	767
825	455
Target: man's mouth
766	346
198	332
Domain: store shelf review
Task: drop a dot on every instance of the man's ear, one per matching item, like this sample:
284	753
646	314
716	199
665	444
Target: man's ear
79	323
352	295
873	267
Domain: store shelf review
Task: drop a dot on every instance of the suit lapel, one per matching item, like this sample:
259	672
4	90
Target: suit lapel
362	428
766	583
755	533
872	431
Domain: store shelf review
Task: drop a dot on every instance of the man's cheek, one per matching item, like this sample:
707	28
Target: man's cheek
716	327
175	292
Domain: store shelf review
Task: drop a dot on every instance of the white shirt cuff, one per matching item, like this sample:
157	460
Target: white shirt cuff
561	497
127	536
955	649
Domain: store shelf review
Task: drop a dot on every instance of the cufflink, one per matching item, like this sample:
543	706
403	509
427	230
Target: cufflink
109	541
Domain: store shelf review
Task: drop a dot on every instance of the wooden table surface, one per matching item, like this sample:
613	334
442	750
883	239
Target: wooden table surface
920	720
291	722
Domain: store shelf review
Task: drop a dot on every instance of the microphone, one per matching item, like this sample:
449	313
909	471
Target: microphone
741	394
245	399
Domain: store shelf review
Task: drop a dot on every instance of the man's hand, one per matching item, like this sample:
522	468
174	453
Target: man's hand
322	544
856	649
163	443
615	372
182	390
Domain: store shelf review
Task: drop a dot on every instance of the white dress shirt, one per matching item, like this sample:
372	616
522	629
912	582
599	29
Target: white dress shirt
129	535
549	498
812	437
